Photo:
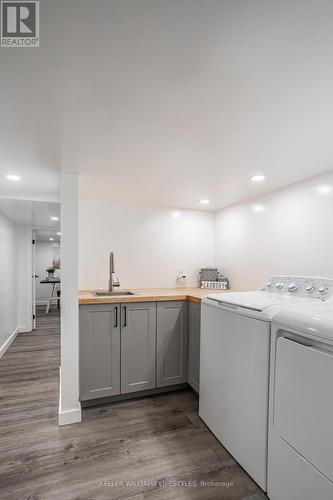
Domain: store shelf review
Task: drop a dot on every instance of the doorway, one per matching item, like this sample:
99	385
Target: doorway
46	275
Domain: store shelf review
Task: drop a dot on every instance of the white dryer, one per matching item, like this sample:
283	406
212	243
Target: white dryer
234	364
300	449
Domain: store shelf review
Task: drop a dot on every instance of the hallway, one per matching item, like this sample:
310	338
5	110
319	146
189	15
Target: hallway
157	439
29	380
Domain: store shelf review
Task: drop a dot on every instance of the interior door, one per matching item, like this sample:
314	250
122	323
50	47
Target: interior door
34	277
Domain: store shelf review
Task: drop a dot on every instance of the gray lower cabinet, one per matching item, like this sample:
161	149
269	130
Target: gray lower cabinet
138	346
194	345
172	342
99	351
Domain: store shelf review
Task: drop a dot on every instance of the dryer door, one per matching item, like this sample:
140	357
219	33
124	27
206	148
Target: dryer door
303	401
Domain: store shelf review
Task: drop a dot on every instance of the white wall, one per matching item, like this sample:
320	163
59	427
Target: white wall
292	235
150	244
44	258
12	279
8	278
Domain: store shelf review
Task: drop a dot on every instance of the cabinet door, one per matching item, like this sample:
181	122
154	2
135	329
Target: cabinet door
99	350
194	345
138	346
172	342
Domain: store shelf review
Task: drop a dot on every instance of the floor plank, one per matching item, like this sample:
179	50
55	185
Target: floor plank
151	448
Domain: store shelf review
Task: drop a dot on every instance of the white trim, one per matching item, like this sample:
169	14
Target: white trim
72	416
23	329
28	278
8	342
69	417
41	302
33	279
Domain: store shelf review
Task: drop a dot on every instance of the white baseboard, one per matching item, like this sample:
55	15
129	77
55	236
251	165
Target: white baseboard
71	416
23	329
41	302
67	417
8	342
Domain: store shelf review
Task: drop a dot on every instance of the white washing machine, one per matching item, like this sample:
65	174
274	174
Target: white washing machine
234	364
300	450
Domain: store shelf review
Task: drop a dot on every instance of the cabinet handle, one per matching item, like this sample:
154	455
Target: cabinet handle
116	309
125	316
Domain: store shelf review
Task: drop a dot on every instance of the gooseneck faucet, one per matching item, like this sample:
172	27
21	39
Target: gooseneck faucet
113	280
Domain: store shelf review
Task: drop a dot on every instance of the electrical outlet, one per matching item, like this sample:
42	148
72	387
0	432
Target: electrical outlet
182	277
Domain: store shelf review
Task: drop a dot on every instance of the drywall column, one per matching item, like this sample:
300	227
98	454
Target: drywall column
69	404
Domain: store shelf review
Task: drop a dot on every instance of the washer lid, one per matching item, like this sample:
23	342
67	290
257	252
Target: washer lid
255	301
314	320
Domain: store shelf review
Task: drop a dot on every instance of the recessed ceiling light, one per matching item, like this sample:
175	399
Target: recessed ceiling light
204	201
12	177
51	239
324	189
58	234
258	208
258	177
54	218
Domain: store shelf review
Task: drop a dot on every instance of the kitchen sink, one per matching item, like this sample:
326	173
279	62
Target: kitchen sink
104	293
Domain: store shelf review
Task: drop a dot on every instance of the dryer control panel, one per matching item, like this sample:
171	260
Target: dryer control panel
301	286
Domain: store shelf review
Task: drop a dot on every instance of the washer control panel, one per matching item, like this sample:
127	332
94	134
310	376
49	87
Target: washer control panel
301	286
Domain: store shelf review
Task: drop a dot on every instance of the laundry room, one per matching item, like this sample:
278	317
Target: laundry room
166	271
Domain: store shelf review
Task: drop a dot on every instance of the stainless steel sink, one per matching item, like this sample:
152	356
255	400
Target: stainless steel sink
105	293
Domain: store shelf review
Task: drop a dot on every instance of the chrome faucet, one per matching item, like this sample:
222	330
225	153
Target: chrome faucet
113	280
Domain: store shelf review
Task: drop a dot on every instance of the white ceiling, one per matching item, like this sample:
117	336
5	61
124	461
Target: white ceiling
44	235
40	184
34	214
169	101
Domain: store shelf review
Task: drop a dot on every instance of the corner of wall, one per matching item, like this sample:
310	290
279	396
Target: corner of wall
215	213
5	346
70	416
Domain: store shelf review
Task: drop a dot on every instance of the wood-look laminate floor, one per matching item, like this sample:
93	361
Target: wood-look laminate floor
151	448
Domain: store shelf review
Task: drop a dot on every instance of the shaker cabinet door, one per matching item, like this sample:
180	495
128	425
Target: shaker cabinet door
99	351
172	342
138	346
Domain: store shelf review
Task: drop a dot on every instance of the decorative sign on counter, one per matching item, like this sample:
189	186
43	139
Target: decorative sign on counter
211	278
216	285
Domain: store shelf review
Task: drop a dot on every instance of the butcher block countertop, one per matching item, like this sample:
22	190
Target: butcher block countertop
149	295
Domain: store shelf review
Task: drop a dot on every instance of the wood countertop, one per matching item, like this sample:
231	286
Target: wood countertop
149	295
